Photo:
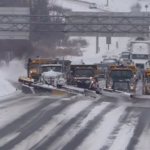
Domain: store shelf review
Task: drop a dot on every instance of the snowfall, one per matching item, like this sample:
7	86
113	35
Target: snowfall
9	73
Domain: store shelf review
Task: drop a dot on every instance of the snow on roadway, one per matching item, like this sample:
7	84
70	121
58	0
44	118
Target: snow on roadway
72	128
144	140
125	134
8	114
53	125
100	135
73	131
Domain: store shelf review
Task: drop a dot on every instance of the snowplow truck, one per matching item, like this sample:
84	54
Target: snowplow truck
146	82
84	76
36	66
32	66
121	78
55	72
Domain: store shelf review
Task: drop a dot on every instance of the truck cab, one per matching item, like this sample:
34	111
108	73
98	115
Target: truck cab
34	64
121	78
140	52
125	56
84	76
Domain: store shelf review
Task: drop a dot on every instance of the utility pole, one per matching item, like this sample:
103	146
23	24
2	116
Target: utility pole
97	43
107	3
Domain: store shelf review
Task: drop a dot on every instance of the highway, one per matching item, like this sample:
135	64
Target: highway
38	122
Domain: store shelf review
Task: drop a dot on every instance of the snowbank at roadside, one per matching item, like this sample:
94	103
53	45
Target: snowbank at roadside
6	87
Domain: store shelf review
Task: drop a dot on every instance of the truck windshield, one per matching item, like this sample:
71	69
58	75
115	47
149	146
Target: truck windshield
84	72
103	65
49	68
140	66
139	56
33	65
110	61
123	74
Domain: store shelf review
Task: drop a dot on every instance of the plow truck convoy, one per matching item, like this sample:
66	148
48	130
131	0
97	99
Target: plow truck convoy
121	78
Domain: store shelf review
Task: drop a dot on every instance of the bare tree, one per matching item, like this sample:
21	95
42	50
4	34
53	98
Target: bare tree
136	7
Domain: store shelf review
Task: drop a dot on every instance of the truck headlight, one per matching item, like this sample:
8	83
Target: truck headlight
132	87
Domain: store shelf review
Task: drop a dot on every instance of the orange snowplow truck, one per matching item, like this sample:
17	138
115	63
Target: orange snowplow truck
32	66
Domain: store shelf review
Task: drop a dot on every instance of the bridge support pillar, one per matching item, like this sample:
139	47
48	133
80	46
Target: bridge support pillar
97	43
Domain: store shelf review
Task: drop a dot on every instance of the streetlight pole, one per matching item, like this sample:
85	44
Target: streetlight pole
146	6
107	4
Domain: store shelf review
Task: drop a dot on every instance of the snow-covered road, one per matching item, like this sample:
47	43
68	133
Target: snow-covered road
52	123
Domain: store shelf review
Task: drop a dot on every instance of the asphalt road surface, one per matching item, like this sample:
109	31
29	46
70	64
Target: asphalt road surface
31	122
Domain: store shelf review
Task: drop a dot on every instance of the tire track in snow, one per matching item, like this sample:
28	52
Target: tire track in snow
143	120
100	135
65	127
37	117
37	124
79	138
11	99
125	133
143	142
73	130
40	136
12	127
112	137
17	102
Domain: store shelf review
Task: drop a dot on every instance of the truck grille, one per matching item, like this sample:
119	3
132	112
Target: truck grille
120	86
